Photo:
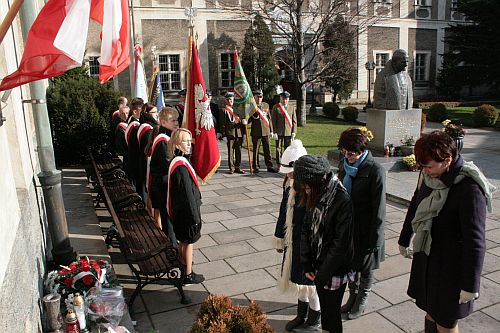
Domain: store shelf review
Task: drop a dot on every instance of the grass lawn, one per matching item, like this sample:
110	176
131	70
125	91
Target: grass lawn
321	134
464	114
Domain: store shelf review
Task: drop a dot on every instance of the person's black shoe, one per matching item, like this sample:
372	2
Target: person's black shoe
193	278
239	171
271	169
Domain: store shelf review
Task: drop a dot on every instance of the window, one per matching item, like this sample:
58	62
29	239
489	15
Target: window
421	66
226	68
93	66
454	4
421	3
381	58
170	72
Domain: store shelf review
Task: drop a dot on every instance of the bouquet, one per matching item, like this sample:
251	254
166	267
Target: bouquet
453	129
78	277
367	133
410	162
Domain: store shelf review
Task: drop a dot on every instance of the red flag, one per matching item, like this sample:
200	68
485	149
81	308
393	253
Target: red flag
206	155
56	40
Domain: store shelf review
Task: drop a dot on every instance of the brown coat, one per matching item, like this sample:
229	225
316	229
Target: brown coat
279	123
258	126
229	127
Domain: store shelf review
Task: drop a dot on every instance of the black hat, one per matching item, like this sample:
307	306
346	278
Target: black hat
285	94
182	92
229	94
310	169
209	92
257	92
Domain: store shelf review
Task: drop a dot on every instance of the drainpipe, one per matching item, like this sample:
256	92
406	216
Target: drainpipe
49	176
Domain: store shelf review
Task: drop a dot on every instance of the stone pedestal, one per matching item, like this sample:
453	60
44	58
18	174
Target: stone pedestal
390	126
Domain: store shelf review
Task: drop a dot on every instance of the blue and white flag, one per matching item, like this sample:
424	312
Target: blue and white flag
157	97
141	87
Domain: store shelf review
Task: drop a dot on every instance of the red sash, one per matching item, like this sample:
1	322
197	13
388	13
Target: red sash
181	106
262	116
285	115
115	113
123	125
178	161
231	112
142	130
128	131
160	137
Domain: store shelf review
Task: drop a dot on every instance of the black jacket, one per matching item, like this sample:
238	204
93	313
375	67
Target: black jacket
337	250
158	168
368	200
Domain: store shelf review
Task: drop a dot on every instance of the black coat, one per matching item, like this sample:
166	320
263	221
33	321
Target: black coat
186	203
337	250
134	154
457	251
143	160
158	169
368	200
229	127
297	272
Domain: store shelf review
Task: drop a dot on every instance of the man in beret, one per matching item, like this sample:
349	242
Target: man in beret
284	120
233	128
261	129
182	104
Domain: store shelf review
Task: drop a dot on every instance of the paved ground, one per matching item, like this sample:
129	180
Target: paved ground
236	256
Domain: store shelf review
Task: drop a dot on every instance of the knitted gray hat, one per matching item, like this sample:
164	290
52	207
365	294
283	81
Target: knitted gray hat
310	168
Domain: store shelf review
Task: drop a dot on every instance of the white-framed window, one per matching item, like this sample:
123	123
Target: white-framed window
93	65
381	58
454	4
170	71
421	3
226	69
421	66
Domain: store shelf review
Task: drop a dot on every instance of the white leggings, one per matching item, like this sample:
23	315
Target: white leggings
309	294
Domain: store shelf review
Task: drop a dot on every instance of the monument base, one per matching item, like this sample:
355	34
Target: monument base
391	126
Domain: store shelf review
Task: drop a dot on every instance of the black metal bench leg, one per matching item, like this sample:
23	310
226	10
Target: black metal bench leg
184	299
136	292
110	235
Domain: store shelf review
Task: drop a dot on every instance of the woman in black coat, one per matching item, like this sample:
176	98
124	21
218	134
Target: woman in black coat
326	246
446	218
364	180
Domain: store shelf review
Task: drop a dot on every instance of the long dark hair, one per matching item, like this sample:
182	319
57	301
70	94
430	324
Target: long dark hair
149	147
309	201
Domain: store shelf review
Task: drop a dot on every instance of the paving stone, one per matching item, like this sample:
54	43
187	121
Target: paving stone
493	235
263	187
271	299
275	271
275	198
253	261
262	243
495	251
277	190
492	224
206	209
479	322
375	302
396	227
266	229
272	208
390	234
249	221
176	321
405	315
392	247
245	182
278	319
489	294
491	263
217	216
240	283
393	290
242	204
204	241
370	323
494	276
209	228
233	190
209	194
143	322
259	194
393	266
211	187
168	299
235	235
214	269
395	216
222	199
198	257
493	311
227	250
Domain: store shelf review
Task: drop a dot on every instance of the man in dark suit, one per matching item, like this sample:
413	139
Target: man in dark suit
233	128
284	121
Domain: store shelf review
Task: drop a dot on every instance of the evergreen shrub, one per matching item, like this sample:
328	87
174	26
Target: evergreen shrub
79	110
350	113
437	113
331	110
485	115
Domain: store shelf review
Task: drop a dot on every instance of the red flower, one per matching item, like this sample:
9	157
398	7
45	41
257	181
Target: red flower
68	282
72	267
88	280
97	268
64	271
85	267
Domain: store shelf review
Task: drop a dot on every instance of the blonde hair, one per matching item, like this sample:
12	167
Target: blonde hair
168	113
175	141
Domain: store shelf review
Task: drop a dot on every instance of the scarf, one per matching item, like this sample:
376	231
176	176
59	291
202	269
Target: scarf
431	205
319	214
351	171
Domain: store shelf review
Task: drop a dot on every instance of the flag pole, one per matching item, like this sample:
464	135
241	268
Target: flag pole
248	150
185	120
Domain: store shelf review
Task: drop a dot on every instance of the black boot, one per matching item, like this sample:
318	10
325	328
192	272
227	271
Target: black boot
301	316
353	292
359	304
430	326
312	324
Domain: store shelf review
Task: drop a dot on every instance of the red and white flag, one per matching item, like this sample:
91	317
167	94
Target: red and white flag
198	119
57	39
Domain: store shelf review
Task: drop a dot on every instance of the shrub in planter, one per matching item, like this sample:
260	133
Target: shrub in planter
331	110
437	113
485	115
350	113
218	315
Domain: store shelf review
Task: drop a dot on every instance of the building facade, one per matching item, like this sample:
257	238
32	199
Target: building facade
417	26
